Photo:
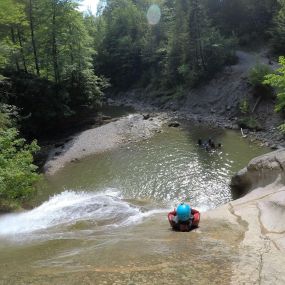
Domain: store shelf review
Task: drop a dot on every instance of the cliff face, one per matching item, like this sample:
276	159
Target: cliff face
262	214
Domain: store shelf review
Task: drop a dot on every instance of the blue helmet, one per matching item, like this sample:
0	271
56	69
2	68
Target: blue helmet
183	212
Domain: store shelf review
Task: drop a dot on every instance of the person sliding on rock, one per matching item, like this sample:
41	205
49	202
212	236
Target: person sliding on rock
184	218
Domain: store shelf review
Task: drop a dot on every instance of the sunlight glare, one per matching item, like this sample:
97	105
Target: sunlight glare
90	5
153	14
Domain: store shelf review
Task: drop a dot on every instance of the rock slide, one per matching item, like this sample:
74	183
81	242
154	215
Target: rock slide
261	257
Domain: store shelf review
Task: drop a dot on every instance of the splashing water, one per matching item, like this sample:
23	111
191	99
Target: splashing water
103	210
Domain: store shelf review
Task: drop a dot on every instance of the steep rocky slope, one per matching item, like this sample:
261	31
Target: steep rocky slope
217	101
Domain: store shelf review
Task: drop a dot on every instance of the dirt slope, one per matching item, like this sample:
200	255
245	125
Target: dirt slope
221	96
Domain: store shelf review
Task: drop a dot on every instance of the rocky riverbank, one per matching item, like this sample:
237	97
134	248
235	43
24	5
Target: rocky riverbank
217	102
271	137
128	129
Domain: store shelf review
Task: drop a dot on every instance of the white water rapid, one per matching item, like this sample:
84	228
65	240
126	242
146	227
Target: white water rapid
96	211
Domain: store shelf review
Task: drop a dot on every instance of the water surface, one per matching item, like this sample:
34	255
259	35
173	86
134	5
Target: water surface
102	220
168	168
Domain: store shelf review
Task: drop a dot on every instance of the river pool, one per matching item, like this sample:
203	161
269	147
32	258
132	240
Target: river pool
102	220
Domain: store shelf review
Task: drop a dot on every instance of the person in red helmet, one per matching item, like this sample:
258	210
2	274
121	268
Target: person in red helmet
184	218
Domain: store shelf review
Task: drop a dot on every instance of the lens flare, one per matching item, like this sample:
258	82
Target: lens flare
153	14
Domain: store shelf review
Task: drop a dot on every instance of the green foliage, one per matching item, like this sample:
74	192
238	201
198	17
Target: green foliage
248	20
257	74
11	12
281	128
277	31
277	80
58	59
47	51
86	88
3	120
119	54
182	49
17	171
244	106
249	123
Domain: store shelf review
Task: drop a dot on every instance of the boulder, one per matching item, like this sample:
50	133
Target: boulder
146	116
174	124
104	117
260	172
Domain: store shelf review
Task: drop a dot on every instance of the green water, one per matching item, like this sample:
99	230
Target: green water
168	168
103	219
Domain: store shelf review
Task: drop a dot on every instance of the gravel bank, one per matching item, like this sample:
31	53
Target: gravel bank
126	130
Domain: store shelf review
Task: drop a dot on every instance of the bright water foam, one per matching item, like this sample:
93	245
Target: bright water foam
103	209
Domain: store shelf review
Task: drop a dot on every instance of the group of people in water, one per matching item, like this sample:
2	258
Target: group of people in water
208	144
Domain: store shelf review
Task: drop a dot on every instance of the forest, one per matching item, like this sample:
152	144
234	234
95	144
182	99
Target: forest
56	61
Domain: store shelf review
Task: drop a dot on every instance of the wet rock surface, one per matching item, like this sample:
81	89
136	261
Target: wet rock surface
149	253
261	253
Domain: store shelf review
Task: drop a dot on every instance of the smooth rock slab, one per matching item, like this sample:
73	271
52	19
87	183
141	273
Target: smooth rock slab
272	213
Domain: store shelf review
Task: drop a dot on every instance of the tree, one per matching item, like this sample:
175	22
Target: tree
177	44
244	19
17	171
12	17
119	55
278	29
33	40
277	80
196	50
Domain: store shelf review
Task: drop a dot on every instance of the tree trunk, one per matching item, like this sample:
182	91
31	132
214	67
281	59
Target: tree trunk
14	42
22	50
54	45
33	38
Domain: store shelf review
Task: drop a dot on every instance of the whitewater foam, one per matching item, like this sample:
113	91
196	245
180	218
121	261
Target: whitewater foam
104	209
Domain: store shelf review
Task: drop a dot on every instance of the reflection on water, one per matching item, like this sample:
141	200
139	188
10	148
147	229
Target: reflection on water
168	168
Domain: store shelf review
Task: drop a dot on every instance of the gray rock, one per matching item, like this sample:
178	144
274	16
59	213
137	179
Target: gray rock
104	117
146	116
174	124
260	171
